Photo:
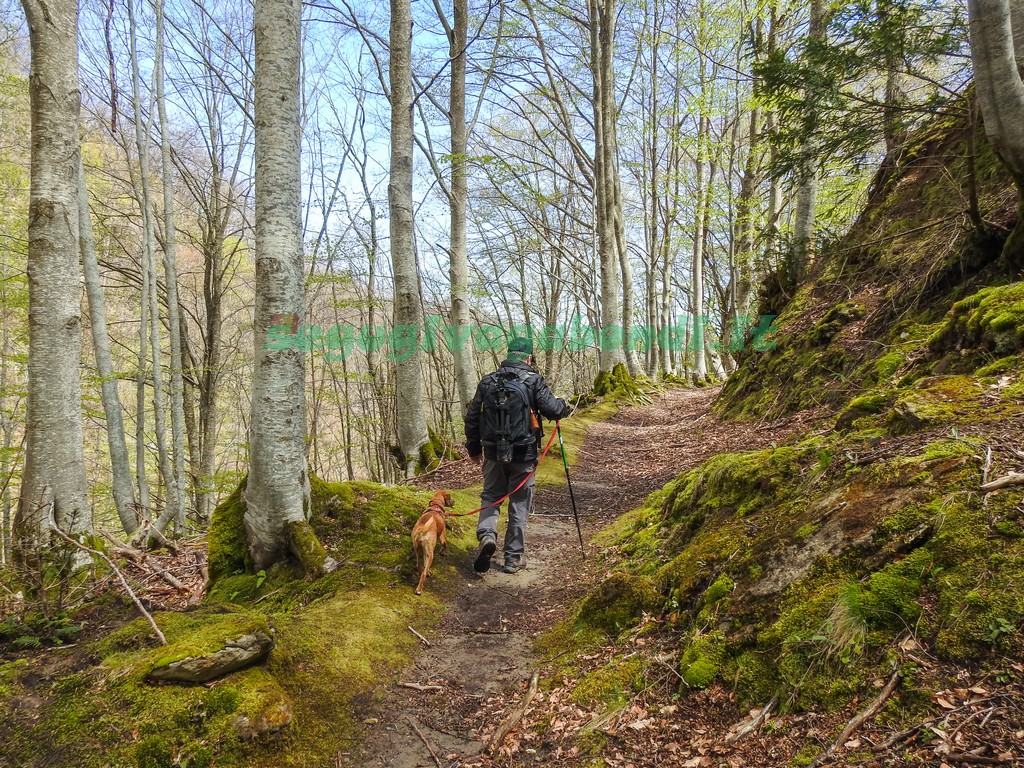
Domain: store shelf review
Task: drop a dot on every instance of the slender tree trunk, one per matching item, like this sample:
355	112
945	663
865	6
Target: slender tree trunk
807	176
177	491
120	463
410	411
53	484
602	25
149	301
277	492
6	431
465	370
699	320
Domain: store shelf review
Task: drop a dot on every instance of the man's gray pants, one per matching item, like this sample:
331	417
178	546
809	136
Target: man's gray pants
499	479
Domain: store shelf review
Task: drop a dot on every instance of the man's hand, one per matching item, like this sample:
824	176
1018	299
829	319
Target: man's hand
478	459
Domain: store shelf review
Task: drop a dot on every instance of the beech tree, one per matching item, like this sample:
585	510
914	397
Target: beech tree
277	491
997	58
409	410
53	485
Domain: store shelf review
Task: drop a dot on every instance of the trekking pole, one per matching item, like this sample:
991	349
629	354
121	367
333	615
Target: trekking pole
568	480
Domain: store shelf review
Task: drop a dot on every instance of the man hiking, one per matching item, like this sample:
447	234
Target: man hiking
502	428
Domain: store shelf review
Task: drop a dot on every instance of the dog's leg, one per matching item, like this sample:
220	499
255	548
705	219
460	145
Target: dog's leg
428	559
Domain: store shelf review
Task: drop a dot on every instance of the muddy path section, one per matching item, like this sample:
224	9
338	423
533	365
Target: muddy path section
481	654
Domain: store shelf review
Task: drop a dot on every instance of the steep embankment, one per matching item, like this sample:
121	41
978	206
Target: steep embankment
862	562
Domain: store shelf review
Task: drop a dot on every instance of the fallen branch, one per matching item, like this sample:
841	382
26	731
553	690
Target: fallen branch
513	719
748	728
121	578
1014	478
418	687
967	757
426	743
858	720
421	637
259	600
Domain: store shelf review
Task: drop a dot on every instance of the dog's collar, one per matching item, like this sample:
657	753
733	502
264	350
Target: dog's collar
439	508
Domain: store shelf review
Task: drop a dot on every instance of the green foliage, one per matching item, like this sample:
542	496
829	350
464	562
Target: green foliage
834	90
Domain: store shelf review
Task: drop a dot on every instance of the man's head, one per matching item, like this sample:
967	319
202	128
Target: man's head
520	348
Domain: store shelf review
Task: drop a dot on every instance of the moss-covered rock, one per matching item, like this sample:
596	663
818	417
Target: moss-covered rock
618	602
702	659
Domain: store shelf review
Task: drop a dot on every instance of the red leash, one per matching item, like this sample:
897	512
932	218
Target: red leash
500	501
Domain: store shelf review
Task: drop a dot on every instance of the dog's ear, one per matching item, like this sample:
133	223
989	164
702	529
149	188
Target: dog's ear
448	501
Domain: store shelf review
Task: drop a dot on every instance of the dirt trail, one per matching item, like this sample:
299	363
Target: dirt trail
481	654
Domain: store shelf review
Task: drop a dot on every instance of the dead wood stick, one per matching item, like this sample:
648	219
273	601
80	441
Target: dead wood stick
421	637
166	575
513	719
1014	478
419	687
426	743
261	599
141	558
120	576
967	757
858	720
754	724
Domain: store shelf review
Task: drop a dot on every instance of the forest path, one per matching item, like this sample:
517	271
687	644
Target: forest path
481	653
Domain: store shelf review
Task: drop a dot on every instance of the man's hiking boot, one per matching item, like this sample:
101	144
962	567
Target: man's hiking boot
514	567
482	564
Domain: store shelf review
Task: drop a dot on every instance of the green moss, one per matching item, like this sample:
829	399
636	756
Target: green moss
756	675
434	451
1009	529
154	752
865	405
887	365
307	548
991	320
618	385
611	684
702	659
618	603
722	587
228	547
1003	365
835	320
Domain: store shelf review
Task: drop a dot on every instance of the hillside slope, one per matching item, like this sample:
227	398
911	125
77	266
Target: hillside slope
860	560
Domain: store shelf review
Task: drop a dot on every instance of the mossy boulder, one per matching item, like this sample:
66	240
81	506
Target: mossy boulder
991	320
237	653
702	659
619	602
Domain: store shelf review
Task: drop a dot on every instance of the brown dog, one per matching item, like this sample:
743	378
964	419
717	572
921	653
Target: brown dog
428	531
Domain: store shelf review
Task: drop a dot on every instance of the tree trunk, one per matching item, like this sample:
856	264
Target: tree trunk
407	331
602	31
277	491
148	258
120	463
807	176
462	351
1001	97
54	475
699	321
177	500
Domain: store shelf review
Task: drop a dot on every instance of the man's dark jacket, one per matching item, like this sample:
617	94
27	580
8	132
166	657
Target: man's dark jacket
542	401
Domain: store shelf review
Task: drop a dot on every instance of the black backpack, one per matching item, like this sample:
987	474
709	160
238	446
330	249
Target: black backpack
506	415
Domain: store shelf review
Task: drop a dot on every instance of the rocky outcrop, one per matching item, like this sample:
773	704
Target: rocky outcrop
236	654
